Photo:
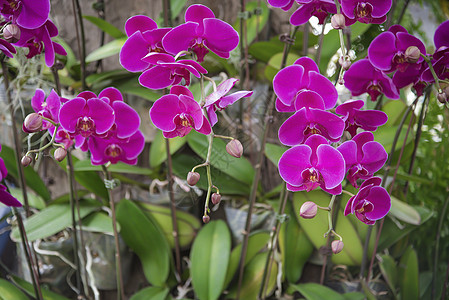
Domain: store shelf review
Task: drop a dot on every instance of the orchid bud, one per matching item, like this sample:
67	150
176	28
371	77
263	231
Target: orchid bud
344	62
60	154
442	97
338	21
11	33
206	219
308	210
32	123
235	148
337	246
193	178
216	198
26	160
412	54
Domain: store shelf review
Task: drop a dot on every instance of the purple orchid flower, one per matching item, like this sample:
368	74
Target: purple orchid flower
365	11
387	51
201	32
6	197
308	8
441	36
176	115
166	71
114	149
416	76
440	59
29	14
86	116
283	4
48	108
314	164
371	203
355	118
143	38
309	120
3	170
363	156
39	39
218	99
302	75
7	48
363	77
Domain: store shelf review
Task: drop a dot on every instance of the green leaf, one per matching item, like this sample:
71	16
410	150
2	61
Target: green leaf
120	167
152	292
315	291
52	220
158	153
99	222
10	291
106	27
141	233
256	242
28	287
33	200
409	275
404	212
33	180
176	7
354	296
274	64
209	260
255	23
133	87
109	75
274	152
107	50
389	271
239	168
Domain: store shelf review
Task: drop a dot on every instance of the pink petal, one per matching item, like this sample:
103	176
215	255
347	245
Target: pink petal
164	111
139	23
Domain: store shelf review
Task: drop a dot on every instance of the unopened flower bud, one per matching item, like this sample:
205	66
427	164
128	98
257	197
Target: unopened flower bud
60	154
216	198
206	219
11	33
308	210
344	62
412	54
442	97
26	160
193	178
337	246
235	148
32	123
338	21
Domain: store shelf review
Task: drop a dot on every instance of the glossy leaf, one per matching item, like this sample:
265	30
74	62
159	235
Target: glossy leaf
152	292
28	287
99	222
404	212
10	291
274	64
389	271
33	200
141	233
409	275
255	23
274	152
52	220
315	291
120	167
209	260
106	27
107	50
158	153
133	87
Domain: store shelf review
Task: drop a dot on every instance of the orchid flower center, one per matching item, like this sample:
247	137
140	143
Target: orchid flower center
113	150
311	129
364	207
363	10
311	178
184	120
85	126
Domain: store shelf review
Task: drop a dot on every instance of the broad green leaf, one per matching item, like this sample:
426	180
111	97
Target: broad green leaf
274	64
385	136
99	222
409	275
106	27
120	167
109	75
152	292
274	152
252	278
315	291
28	287
33	180
209	260
133	87
158	153
52	220
256	242
33	200
239	168
255	23
109	49
404	212
183	164
389	271
354	296
141	233
394	110
10	291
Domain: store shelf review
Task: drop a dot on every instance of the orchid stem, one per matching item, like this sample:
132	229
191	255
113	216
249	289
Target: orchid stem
81	40
432	70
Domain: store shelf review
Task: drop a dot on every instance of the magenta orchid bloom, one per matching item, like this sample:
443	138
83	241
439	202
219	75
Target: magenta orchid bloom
440	59
39	39
371	203
166	71
48	108
355	118
201	32
301	76
314	164
310	119
363	156
29	14
5	197
387	51
363	77
176	115
114	149
283	4
218	99
308	8
7	48
3	170
143	38
365	11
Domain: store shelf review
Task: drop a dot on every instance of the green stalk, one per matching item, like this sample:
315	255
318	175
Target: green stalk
437	246
81	40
